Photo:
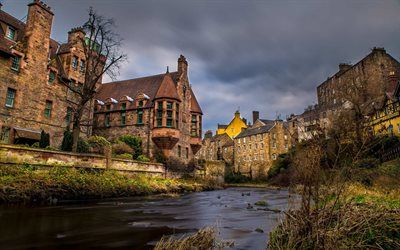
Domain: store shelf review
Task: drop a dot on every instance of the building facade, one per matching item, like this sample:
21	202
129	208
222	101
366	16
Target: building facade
161	109
234	128
257	147
217	147
33	71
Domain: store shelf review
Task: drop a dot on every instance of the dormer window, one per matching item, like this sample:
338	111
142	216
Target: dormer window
140	104
75	62
10	33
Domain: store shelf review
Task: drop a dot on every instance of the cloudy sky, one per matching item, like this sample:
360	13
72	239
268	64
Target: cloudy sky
256	55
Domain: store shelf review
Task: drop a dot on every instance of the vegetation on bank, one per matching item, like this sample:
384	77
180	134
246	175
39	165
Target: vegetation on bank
349	200
203	239
30	185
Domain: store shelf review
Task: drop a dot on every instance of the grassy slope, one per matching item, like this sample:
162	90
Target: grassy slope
28	185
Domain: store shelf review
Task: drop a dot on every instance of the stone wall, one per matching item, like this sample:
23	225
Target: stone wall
13	155
212	169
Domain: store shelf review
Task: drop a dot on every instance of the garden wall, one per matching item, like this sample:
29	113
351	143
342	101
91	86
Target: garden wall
16	155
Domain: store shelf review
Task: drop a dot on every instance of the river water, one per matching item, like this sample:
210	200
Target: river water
137	223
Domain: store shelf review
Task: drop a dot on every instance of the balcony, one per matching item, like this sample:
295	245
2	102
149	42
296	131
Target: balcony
165	138
195	144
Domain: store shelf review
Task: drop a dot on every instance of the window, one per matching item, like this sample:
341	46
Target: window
48	108
10	33
83	66
286	146
159	114
123	114
169	105
69	115
273	144
187	153
176	115
179	151
169	118
5	135
274	157
10	97
285	137
16	62
75	62
52	76
140	117
107	120
194	126
140	104
108	107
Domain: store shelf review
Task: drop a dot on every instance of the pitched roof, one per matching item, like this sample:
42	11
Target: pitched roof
167	88
222	126
148	85
195	107
255	131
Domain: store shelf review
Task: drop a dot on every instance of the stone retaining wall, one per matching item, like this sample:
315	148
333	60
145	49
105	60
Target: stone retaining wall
15	155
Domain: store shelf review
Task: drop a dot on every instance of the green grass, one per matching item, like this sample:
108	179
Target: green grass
26	184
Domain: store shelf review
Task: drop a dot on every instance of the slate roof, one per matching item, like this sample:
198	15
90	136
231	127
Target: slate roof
255	131
222	126
167	88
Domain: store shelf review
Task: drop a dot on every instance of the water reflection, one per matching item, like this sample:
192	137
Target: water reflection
137	223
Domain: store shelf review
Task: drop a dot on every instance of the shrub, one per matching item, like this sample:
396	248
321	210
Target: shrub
143	158
83	146
134	142
121	148
236	178
124	156
279	165
98	143
36	145
44	139
66	144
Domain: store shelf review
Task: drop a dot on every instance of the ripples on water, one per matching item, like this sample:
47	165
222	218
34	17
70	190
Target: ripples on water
137	223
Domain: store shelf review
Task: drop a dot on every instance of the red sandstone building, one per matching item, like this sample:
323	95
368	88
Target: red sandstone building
32	69
161	109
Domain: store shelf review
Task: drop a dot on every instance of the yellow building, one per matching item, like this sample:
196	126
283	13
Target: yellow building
386	119
234	127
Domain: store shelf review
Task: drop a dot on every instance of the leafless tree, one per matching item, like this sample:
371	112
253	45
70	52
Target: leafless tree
102	52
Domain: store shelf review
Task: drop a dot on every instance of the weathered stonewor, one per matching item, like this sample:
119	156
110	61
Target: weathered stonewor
32	69
15	155
161	109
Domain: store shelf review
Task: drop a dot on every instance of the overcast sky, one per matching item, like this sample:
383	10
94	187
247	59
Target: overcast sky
256	55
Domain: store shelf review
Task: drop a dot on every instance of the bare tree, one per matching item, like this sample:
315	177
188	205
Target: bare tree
101	50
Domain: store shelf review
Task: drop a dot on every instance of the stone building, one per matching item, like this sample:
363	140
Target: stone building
161	109
217	147
360	84
33	67
257	147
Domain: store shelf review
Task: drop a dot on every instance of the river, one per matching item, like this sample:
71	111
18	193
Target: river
137	223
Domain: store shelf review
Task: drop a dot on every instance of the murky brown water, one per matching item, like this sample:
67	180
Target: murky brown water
137	223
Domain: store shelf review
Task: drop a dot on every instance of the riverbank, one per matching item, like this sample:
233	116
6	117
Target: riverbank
365	213
30	185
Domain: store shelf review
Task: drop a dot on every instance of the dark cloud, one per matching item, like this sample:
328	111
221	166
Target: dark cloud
256	55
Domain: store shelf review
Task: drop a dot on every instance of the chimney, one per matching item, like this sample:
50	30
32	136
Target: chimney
379	49
182	65
208	134
1	5
76	35
37	33
393	80
344	66
237	114
256	116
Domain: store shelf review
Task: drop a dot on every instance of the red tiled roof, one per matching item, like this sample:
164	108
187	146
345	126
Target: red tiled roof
148	85
195	107
167	88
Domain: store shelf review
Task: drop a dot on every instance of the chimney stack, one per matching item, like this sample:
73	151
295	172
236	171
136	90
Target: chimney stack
256	116
344	66
1	5
182	66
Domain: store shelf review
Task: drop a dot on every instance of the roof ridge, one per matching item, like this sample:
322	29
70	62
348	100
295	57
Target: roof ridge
139	78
